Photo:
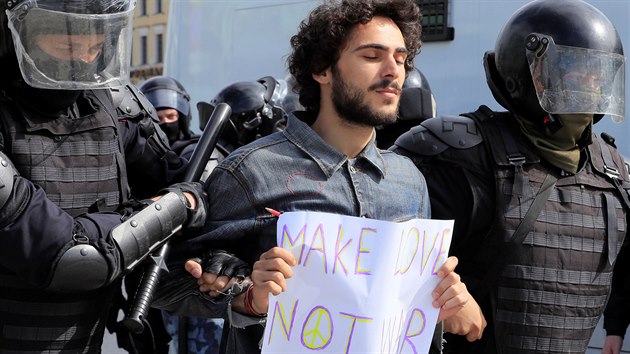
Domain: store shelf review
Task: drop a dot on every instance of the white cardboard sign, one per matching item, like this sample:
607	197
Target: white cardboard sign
360	285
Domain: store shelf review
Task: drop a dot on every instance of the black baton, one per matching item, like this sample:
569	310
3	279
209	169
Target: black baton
157	262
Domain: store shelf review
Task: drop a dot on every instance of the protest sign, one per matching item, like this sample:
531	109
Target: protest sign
360	285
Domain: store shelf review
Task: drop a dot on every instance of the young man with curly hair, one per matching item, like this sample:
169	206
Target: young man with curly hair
349	59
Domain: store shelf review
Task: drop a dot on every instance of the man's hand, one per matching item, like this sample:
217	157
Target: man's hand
612	345
459	311
450	295
469	321
269	276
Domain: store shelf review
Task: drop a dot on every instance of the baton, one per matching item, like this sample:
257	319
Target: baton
157	262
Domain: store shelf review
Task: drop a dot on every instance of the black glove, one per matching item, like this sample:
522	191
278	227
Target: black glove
221	262
196	217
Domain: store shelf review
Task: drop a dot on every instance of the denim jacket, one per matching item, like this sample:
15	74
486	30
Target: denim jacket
296	170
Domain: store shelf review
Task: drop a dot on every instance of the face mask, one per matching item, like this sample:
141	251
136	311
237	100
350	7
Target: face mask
171	130
64	70
573	126
47	101
560	148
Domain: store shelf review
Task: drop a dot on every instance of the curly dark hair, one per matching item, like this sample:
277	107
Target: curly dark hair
317	44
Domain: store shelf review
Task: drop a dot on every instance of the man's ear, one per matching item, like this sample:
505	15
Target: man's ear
323	77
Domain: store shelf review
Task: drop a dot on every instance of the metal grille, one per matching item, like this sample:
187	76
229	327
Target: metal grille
435	21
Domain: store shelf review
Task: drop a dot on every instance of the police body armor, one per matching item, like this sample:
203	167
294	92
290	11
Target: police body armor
55	160
51	153
553	288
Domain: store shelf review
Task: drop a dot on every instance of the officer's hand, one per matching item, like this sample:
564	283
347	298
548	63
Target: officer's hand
612	345
220	271
208	283
221	262
195	199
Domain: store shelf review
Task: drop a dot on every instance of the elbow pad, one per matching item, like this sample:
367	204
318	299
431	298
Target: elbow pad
148	229
83	267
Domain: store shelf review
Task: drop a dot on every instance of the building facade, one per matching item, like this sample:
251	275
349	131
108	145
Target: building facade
149	39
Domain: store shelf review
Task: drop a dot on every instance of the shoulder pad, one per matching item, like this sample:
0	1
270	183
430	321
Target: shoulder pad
7	172
606	159
435	135
131	103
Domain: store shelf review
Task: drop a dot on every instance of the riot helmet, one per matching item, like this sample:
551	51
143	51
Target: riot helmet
416	99
558	57
69	44
256	109
417	104
287	97
167	93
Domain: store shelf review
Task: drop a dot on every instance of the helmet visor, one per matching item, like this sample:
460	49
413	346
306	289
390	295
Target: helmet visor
167	98
71	51
578	80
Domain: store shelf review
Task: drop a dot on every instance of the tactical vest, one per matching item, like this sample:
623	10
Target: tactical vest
80	164
552	290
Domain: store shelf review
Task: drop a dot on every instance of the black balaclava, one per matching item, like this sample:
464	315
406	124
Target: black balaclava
171	130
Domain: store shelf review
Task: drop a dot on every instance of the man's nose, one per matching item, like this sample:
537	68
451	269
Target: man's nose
391	69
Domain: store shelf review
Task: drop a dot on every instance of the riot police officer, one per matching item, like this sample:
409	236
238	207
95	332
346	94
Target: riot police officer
172	102
540	202
71	159
259	108
256	110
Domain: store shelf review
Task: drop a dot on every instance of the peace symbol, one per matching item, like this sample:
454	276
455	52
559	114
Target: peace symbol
317	329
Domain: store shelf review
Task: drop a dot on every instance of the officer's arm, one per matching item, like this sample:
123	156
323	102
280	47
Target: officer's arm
49	249
100	263
617	312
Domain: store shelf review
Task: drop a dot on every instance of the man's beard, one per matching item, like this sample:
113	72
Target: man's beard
349	102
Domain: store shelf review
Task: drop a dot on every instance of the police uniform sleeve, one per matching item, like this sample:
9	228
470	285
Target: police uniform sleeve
617	312
48	249
35	232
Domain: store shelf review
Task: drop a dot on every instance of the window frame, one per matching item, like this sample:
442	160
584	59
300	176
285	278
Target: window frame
435	21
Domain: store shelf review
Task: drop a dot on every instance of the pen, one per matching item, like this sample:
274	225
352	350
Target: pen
273	212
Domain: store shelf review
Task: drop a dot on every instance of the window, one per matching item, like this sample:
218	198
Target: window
143	50
435	21
142	7
158	6
159	48
158	43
